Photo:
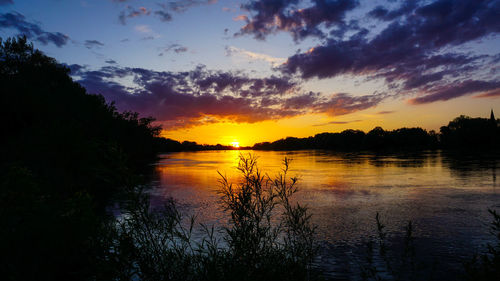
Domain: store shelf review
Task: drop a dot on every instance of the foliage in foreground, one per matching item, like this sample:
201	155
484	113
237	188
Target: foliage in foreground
383	262
65	155
486	266
266	238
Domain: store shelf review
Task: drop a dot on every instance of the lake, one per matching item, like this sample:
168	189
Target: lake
446	196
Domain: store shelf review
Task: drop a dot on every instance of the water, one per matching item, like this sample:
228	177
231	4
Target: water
446	196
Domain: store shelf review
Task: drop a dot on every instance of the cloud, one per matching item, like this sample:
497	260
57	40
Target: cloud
227	9
336	123
270	16
110	61
385	112
31	30
163	15
183	99
460	89
177	48
383	14
132	13
420	49
491	94
89	44
234	51
183	5
343	103
186	98
143	28
241	18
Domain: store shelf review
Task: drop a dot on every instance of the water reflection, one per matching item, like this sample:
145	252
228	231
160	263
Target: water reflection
445	195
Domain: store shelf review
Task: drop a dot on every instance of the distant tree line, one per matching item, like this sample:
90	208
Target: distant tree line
169	145
461	133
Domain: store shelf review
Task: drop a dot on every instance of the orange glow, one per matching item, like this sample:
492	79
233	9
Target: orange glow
401	114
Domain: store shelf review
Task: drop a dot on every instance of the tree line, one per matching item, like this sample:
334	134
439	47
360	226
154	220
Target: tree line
461	133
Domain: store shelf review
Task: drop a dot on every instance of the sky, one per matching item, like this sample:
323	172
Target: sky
215	71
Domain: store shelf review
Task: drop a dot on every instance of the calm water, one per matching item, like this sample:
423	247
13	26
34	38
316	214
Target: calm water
446	197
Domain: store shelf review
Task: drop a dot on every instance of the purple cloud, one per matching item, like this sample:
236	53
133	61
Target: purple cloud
89	44
165	11
32	31
177	48
382	13
342	103
271	16
457	90
163	15
414	53
132	13
183	99
183	5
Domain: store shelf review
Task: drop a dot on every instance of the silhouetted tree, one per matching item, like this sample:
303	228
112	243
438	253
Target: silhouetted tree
65	154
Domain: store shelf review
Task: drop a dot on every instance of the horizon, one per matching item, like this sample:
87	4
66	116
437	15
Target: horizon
239	145
246	72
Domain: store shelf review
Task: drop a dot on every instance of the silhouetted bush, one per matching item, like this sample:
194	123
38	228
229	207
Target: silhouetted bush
267	237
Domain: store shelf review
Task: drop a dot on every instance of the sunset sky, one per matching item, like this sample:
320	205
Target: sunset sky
215	71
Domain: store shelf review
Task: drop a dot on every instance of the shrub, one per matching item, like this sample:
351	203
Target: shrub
267	237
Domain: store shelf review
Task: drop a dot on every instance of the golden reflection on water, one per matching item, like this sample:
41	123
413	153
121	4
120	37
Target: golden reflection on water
344	191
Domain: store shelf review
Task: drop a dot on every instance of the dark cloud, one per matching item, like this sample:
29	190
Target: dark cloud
385	112
176	48
270	16
110	61
382	13
186	98
343	103
132	13
89	44
415	52
183	5
457	90
31	30
163	15
200	96
6	2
